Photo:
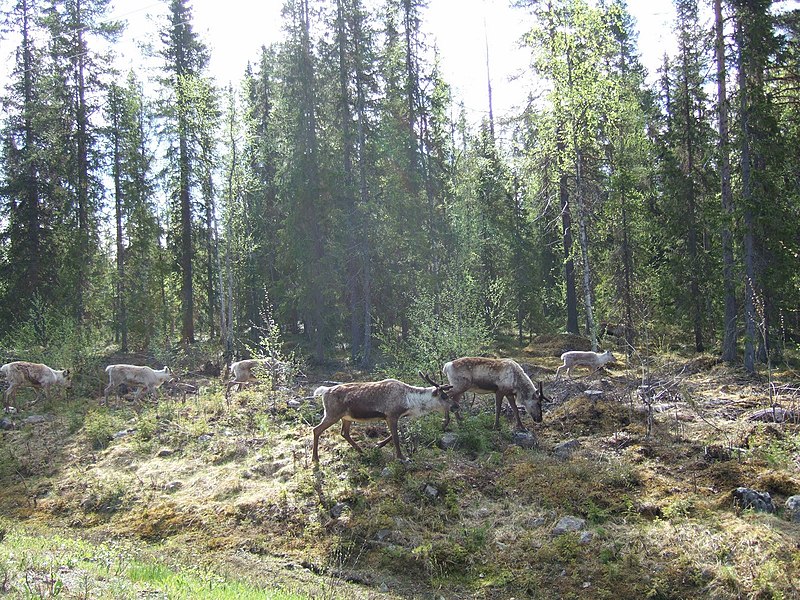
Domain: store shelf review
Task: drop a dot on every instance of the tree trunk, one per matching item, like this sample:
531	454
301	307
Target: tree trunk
566	236
749	219
122	316
82	118
729	323
694	266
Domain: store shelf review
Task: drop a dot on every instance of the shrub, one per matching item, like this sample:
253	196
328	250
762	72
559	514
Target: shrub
442	328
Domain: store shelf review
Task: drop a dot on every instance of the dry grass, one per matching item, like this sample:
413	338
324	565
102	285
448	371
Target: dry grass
234	483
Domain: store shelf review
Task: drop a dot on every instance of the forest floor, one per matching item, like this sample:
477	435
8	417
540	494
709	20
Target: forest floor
197	496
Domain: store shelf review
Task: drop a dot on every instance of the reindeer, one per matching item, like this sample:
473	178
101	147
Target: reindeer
502	376
593	360
389	399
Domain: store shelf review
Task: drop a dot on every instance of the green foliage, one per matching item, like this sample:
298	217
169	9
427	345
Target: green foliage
441	328
100	425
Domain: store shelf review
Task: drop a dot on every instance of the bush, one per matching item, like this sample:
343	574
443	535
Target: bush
442	328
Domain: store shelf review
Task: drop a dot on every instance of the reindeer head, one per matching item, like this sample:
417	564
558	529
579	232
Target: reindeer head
440	390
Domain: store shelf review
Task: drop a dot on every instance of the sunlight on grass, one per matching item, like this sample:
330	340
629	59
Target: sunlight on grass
43	564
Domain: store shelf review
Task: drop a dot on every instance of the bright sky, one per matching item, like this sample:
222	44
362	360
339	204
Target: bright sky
234	30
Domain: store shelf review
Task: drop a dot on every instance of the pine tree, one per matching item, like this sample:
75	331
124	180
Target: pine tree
184	59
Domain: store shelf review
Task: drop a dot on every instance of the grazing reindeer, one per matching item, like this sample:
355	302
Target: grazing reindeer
593	360
502	376
389	399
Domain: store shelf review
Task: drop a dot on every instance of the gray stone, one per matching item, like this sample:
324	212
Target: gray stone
164	452
524	439
568	524
7	424
586	537
448	440
338	508
535	522
34	419
431	491
122	433
173	486
793	508
383	534
294	403
564	449
205	437
758	501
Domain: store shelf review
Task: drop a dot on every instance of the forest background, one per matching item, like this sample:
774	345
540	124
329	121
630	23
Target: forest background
339	193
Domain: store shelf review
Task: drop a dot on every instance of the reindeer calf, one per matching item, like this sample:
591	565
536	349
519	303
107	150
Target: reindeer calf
21	373
146	379
593	360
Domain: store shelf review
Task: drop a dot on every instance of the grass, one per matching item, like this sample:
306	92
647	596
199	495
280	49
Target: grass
238	491
39	563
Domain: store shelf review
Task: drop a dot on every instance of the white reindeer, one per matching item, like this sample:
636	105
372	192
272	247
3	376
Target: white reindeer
502	376
593	360
146	379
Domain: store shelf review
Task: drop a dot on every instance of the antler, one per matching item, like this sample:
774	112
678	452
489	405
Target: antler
439	386
542	397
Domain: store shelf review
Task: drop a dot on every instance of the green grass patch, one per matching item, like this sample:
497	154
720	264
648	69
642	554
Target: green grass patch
43	564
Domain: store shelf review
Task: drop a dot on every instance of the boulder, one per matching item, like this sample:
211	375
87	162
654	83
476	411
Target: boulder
758	501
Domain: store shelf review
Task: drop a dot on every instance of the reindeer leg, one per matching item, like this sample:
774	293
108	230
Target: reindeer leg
324	424
346	435
512	401
459	418
498	404
392	423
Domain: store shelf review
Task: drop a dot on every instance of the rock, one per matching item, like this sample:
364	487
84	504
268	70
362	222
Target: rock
386	472
758	501
205	437
564	449
431	491
34	419
535	522
593	393
568	524
122	433
448	440
383	534
586	537
383	588
7	424
793	508
294	403
338	508
483	512
164	452
173	486
524	439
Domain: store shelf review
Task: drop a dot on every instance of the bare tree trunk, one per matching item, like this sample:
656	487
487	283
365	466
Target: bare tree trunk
122	316
749	219
566	237
729	324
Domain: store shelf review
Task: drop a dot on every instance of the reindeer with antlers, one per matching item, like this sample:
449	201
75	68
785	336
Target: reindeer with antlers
502	376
